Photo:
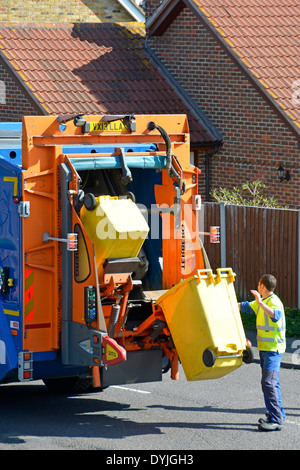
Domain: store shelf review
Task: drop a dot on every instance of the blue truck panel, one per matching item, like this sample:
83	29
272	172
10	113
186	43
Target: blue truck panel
10	266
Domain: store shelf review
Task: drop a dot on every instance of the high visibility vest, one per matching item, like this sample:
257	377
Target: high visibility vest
270	335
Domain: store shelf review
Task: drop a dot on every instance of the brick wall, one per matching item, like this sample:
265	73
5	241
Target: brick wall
151	6
71	11
256	140
15	102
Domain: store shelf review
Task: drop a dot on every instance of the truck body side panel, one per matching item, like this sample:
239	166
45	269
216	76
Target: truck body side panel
42	266
11	322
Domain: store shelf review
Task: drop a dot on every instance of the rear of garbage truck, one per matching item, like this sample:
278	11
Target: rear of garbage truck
102	274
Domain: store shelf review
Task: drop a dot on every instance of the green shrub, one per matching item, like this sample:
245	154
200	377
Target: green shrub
250	193
292	316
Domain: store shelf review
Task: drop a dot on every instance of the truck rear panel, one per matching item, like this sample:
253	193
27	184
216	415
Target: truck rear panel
75	308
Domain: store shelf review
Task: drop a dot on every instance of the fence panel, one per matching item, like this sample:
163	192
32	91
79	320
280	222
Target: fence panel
257	241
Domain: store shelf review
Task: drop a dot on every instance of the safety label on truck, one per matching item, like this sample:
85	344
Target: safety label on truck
103	126
14	324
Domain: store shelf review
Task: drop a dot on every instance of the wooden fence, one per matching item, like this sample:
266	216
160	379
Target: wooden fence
254	241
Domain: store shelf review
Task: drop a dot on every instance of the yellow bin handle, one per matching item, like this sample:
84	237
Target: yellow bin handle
206	274
230	274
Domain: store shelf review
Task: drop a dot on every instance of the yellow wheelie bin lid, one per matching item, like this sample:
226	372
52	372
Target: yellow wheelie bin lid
205	324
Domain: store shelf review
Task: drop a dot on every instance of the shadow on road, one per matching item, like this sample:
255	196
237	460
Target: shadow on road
34	411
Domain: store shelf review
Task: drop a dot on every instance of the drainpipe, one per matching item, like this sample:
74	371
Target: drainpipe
207	171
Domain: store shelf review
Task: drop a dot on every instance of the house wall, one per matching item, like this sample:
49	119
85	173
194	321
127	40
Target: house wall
256	139
14	101
151	6
72	11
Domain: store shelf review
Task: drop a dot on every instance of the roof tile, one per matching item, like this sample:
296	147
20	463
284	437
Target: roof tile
266	36
92	68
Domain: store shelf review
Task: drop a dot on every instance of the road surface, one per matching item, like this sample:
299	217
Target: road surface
162	416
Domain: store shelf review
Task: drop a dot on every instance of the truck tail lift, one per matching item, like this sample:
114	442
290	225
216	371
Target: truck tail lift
102	273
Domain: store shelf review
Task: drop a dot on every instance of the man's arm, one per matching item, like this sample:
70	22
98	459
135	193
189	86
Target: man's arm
268	310
244	307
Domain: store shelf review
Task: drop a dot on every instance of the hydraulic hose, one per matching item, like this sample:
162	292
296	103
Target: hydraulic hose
151	126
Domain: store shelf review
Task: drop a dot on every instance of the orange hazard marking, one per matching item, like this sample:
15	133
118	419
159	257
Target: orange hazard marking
29	294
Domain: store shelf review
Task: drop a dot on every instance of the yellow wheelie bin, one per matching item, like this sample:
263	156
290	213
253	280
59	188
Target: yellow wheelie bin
205	324
116	227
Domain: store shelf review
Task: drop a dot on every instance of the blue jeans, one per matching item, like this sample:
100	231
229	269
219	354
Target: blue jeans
270	364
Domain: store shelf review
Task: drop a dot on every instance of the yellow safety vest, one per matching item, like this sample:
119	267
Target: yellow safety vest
270	335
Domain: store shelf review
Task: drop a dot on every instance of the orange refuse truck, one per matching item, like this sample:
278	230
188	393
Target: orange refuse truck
102	274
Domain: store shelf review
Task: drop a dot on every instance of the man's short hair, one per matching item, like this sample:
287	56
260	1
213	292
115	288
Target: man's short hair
269	281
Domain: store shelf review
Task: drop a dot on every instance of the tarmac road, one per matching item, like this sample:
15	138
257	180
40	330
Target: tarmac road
177	416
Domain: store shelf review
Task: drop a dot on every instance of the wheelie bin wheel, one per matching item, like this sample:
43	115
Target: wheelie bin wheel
89	201
248	355
209	358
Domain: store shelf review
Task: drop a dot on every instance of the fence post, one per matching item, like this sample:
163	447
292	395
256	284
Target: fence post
223	235
201	218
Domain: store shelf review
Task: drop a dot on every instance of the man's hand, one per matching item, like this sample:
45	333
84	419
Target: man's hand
269	311
257	296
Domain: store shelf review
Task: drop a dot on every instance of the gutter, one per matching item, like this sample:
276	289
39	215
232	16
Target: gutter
133	9
199	114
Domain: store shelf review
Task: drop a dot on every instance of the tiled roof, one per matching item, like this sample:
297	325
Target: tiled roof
92	68
265	35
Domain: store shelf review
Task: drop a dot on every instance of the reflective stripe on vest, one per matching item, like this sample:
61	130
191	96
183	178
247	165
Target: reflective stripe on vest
266	326
270	340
